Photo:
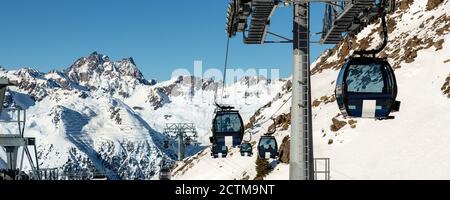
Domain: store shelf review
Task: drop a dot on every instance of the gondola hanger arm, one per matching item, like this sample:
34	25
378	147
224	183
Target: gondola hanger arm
382	14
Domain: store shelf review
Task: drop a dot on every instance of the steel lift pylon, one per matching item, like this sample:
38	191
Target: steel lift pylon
341	16
181	132
11	143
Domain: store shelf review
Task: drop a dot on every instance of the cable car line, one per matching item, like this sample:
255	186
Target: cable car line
221	169
227	125
225	69
282	105
279	108
230	163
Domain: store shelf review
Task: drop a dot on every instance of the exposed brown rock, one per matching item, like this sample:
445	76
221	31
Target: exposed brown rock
330	141
288	86
432	4
324	100
410	52
316	103
286	126
404	5
342	49
352	123
443	19
343	52
284	150
283	120
446	87
253	119
337	125
439	44
246	177
391	24
426	22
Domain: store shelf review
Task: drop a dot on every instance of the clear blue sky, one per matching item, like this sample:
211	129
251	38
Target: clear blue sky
160	35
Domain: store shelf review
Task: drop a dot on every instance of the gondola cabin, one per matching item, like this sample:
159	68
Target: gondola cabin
246	149
188	141
267	147
367	88
219	151
227	127
166	144
165	174
99	176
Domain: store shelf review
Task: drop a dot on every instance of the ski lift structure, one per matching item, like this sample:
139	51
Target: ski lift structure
252	18
184	133
350	17
12	142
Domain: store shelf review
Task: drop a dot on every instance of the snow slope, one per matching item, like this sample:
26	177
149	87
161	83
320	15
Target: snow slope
412	146
104	114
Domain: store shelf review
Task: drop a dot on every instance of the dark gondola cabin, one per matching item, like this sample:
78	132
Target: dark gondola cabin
246	149
188	141
165	174
267	147
219	151
166	144
227	128
98	176
367	88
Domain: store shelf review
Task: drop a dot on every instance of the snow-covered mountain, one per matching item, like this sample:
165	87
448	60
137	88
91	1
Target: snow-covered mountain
414	145
104	114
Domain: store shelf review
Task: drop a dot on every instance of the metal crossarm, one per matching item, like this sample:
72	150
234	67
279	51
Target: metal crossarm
262	11
343	17
180	132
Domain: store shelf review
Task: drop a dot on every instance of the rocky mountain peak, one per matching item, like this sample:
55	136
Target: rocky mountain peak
99	71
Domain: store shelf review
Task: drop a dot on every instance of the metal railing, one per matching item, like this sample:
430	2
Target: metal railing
14	115
50	174
324	171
